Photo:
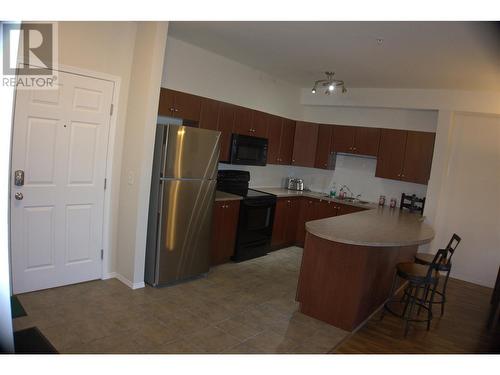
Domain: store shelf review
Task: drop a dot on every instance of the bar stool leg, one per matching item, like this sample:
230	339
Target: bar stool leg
411	302
425	294
443	300
431	301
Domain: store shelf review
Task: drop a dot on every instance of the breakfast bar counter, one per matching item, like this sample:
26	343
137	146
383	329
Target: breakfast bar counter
349	261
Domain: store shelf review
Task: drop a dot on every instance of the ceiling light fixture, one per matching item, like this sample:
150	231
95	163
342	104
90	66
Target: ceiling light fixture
330	83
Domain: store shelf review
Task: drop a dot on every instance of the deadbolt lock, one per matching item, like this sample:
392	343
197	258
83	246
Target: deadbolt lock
19	177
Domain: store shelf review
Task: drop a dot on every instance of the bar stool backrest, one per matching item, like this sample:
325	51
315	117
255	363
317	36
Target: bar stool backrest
437	263
412	203
452	245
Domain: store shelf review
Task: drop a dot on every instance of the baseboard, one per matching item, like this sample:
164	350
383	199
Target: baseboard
123	279
109	275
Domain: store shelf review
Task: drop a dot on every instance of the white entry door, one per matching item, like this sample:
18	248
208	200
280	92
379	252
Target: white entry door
60	143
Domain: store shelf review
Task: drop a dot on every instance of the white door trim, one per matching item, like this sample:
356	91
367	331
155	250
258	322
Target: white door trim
107	240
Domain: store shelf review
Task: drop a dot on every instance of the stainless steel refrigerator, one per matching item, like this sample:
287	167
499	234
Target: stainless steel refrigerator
183	186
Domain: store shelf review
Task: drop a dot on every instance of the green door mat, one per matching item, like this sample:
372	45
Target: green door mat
16	308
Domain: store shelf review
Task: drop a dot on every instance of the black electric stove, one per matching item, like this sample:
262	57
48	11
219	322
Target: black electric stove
255	223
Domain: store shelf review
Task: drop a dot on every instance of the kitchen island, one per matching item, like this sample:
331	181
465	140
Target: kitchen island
349	262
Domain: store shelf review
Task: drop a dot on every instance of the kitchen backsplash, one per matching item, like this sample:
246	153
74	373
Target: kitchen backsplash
356	172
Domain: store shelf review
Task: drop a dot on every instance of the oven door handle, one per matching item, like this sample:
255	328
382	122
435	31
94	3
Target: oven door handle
258	204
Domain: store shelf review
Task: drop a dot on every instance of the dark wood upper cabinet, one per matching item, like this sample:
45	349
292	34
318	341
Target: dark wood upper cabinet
324	147
356	140
418	157
243	121
225	221
260	123
187	106
274	129
227	113
304	145
366	141
401	155
166	104
209	114
179	104
287	140
391	154
344	138
405	155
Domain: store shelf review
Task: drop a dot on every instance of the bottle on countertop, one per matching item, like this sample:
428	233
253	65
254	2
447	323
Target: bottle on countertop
381	200
393	203
333	191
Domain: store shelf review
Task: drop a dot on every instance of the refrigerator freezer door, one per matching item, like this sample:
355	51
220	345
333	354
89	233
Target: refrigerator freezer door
184	229
190	152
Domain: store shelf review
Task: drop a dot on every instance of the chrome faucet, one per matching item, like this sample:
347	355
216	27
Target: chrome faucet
342	187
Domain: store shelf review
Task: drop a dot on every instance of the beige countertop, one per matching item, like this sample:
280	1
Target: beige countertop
283	193
223	196
378	227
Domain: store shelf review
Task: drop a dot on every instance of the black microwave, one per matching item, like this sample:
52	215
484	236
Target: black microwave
246	150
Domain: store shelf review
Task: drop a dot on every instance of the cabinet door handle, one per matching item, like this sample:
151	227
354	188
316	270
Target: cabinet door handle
171	109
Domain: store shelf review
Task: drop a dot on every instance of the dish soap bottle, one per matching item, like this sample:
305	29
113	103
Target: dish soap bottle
333	191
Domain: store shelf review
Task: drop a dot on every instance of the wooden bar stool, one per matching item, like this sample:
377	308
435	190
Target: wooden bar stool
421	279
445	267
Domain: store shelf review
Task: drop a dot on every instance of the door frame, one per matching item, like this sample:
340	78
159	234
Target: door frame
107	240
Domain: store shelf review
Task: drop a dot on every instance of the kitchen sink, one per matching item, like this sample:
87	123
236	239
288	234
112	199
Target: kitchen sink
348	199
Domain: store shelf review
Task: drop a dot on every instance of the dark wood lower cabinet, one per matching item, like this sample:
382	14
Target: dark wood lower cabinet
307	212
224	225
344	209
314	209
285	222
289	229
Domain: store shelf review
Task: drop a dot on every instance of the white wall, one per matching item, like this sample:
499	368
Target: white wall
454	100
137	160
392	118
197	71
105	47
357	173
134	52
469	196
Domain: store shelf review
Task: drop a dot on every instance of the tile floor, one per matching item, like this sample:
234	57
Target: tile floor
244	307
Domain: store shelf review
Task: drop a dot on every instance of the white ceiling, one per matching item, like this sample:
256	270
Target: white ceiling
427	55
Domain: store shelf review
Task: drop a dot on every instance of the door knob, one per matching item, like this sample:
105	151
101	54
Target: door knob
19	196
